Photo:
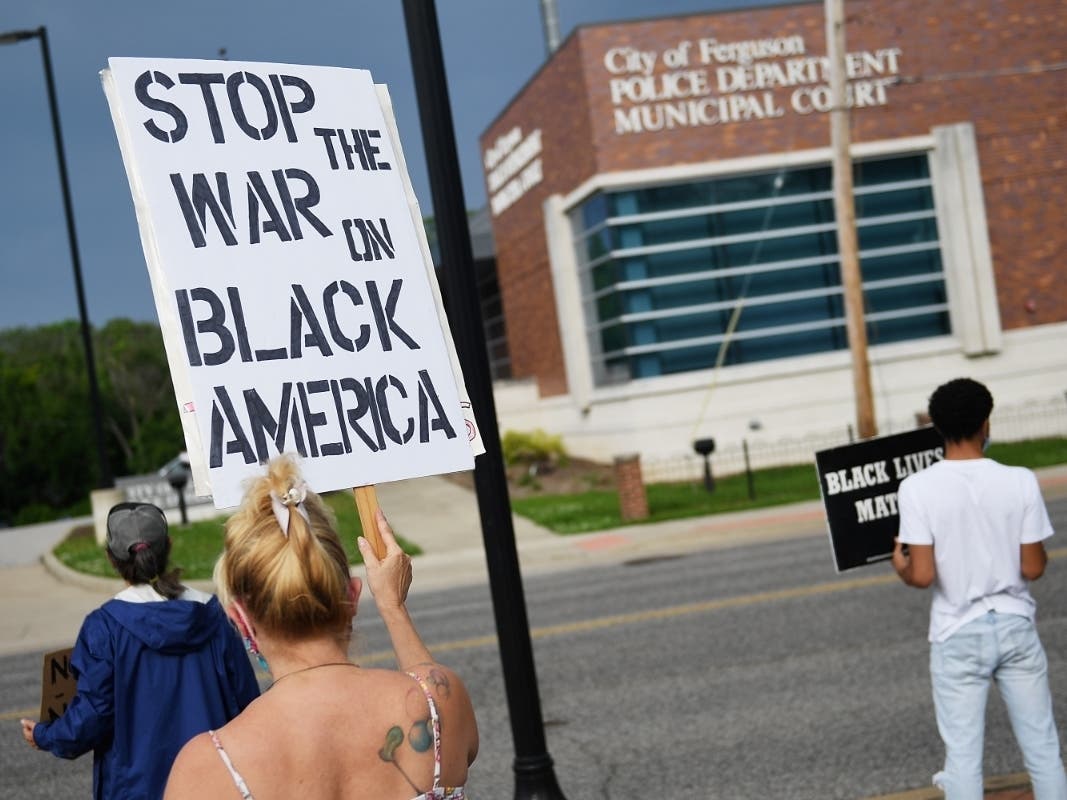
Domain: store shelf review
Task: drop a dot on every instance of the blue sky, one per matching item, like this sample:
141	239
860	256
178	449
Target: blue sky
491	48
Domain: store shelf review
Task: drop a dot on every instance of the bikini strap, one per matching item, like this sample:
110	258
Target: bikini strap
238	781
435	722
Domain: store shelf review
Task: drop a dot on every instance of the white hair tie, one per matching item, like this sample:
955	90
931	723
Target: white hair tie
294	496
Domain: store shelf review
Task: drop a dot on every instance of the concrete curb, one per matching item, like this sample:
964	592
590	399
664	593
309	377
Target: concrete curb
1002	787
541	550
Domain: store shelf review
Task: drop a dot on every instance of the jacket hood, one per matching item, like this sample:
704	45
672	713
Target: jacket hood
169	626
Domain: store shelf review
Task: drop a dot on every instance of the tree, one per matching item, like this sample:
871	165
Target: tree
141	413
45	439
46	444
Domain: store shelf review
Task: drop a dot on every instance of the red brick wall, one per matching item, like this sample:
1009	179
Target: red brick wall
555	102
1020	123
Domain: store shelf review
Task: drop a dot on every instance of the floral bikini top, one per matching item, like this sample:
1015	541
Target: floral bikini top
438	792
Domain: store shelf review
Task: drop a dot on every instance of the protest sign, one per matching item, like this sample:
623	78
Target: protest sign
859	491
290	274
58	684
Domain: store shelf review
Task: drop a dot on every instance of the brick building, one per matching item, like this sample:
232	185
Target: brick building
662	210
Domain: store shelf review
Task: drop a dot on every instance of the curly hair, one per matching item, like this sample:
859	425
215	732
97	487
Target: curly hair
959	408
294	583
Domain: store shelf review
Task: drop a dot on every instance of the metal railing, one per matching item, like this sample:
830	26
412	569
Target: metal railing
1037	420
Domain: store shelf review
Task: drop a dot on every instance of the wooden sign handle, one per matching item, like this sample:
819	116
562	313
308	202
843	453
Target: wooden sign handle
367	504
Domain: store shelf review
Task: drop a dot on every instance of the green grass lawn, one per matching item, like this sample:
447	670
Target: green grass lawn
598	510
196	546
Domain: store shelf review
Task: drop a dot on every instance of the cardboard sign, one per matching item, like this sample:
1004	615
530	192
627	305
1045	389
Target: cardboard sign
58	684
859	491
290	273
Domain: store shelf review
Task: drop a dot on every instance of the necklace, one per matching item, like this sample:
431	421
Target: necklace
315	666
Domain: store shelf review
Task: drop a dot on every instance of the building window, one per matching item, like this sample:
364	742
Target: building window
673	274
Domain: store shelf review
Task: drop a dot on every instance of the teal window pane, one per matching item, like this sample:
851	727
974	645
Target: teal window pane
910	296
594	211
904	329
595	246
662	232
764	266
897	233
901	265
890	170
898	202
687	359
786	346
609	306
613	338
681	262
822	276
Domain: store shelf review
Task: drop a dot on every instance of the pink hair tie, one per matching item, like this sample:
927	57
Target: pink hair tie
138	547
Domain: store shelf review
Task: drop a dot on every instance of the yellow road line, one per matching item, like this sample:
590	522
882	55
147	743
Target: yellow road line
707	606
616	620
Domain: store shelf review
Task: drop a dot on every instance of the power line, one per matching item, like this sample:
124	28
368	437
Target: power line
983	73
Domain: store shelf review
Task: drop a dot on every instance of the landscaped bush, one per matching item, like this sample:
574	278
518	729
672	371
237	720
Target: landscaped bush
534	447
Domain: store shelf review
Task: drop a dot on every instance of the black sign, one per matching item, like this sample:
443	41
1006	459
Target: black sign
859	490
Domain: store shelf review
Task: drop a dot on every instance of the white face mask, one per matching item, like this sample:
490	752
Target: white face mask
985	444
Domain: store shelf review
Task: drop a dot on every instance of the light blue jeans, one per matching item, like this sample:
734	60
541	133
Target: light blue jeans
1004	648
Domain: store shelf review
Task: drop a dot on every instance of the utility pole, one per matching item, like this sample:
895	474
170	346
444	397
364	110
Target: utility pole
550	20
845	214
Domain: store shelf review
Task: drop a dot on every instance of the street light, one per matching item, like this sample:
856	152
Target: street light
14	37
535	778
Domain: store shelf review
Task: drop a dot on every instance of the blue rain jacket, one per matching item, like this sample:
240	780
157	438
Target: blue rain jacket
151	676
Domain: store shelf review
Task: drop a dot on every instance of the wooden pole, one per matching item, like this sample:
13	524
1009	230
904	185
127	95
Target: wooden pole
845	213
367	505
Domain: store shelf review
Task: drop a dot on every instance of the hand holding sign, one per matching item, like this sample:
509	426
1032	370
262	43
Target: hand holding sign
388	574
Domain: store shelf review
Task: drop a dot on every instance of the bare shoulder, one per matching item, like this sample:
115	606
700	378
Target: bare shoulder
454	705
191	769
444	685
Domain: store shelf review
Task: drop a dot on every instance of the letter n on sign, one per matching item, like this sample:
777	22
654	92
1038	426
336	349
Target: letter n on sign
58	684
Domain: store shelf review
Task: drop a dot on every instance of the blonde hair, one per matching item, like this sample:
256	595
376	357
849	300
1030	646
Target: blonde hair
295	583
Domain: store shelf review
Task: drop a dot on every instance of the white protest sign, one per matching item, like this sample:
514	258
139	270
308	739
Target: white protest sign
297	309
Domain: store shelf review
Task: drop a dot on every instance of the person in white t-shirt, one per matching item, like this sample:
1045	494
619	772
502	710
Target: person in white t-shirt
975	530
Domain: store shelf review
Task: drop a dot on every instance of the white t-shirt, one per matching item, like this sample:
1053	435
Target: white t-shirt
976	513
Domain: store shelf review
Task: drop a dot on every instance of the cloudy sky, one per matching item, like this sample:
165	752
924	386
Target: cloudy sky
491	48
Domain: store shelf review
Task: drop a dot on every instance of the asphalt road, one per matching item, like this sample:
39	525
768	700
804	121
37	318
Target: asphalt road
752	672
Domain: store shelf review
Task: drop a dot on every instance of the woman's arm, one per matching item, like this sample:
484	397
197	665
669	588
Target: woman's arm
389	579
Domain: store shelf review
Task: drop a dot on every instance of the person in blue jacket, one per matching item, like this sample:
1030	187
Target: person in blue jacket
156	665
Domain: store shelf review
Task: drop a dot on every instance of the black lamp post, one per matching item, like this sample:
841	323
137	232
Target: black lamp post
177	475
14	37
535	778
704	448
